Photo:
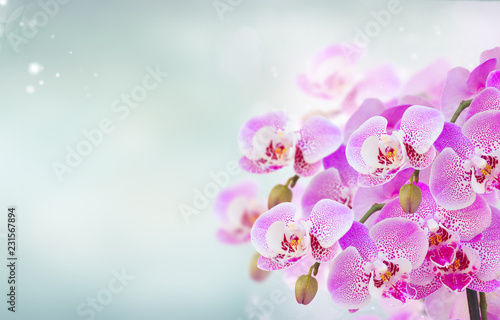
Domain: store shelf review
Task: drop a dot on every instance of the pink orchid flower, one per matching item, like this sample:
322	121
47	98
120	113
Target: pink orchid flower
469	161
377	263
463	85
283	238
237	208
268	145
378	155
461	250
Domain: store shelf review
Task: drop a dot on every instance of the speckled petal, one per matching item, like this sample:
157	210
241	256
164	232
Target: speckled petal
358	236
275	119
452	137
420	161
324	185
421	127
449	181
483	130
250	166
319	138
373	127
467	222
488	99
283	212
348	280
484	286
272	265
493	79
366	180
302	167
427	208
401	238
425	290
393	116
330	220
423	275
322	254
338	160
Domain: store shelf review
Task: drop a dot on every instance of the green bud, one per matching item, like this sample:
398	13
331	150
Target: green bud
257	274
305	289
410	197
279	194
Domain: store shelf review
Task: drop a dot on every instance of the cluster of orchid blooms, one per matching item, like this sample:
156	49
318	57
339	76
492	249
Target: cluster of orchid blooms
402	201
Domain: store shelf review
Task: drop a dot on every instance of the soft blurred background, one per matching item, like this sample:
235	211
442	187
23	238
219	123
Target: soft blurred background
119	208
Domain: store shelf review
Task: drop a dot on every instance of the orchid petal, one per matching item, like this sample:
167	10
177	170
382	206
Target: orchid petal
493	79
284	212
421	127
483	130
247	189
348	280
491	54
450	182
302	167
369	108
275	119
330	220
488	99
272	265
455	90
319	138
373	127
324	185
250	166
467	222
484	286
452	137
338	160
322	254
422	291
477	78
358	237
423	275
400	238
420	161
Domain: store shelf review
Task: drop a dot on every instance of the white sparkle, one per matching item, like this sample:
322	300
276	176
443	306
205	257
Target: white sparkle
71	52
401	29
30	89
95	74
3	2
57	75
41	82
53	36
35	68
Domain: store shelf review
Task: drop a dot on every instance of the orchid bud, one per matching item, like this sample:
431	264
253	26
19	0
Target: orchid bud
410	197
305	289
257	274
279	194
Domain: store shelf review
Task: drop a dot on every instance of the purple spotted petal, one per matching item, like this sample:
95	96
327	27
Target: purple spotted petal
330	220
455	90
369	108
426	209
338	160
324	185
484	286
348	280
250	166
489	249
424	274
483	130
449	181
421	127
420	161
491	54
452	137
272	265
467	222
373	127
275	119
366	180
401	238
282	212
426	290
358	236
366	197
322	254
493	79
303	168
318	138
488	99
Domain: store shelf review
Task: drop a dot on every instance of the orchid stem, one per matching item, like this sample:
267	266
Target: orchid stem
314	269
463	105
376	207
483	305
473	305
415	175
292	181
